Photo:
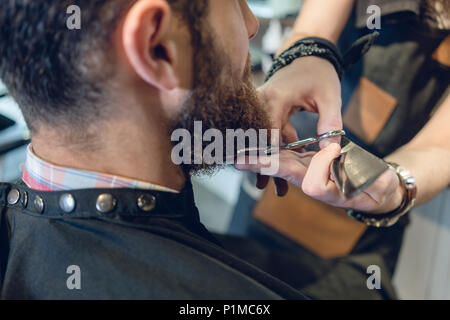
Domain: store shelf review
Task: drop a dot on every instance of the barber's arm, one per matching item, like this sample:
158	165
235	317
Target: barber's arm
320	18
427	157
312	173
308	83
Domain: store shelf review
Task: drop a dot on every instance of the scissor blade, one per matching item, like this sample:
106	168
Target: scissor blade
306	142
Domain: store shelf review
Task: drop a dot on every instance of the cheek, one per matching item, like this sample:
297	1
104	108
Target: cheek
236	48
230	28
185	71
239	49
183	57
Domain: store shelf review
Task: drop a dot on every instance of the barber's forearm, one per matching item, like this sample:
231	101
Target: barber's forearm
427	156
429	165
321	18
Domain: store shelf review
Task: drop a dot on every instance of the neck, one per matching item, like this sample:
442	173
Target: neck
131	150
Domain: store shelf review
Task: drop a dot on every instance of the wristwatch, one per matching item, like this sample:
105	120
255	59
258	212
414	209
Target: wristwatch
389	219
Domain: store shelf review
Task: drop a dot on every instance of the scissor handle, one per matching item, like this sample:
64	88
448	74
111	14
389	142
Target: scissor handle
310	141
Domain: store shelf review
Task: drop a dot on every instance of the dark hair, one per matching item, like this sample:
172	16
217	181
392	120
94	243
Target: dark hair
438	11
59	76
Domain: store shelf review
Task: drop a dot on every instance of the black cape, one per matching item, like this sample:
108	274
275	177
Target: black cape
125	254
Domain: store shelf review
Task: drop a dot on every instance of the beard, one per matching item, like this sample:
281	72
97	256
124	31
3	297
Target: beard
221	99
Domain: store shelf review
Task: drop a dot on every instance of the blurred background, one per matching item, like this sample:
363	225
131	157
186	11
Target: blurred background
423	271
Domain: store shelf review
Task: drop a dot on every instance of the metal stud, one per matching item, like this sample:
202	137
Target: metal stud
106	203
38	204
67	203
24	199
146	202
13	196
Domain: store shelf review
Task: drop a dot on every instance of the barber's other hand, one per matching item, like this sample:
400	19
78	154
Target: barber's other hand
312	173
308	83
311	84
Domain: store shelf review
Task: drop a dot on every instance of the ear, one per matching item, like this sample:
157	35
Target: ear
144	35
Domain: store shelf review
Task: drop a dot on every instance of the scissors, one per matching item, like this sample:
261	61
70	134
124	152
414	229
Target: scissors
306	142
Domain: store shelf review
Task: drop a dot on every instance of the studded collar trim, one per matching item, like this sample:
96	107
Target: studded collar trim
106	203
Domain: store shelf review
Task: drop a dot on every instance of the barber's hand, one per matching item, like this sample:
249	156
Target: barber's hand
311	84
312	173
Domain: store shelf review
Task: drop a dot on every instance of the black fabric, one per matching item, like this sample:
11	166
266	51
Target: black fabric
4	236
400	12
127	254
391	10
307	47
401	64
359	49
386	242
342	278
320	47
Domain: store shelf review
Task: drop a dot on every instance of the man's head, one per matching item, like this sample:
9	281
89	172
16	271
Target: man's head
170	62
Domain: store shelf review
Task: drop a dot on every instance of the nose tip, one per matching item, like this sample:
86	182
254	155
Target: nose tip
254	27
251	20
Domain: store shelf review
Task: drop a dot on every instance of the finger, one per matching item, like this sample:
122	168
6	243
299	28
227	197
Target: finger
287	165
290	133
262	181
272	104
244	163
325	143
317	178
281	186
275	137
330	119
279	111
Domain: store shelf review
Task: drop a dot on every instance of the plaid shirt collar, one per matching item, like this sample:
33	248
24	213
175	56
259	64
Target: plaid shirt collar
43	176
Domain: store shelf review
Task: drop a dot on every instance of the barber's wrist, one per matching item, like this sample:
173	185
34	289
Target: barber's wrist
326	49
408	183
299	35
307	47
293	38
393	203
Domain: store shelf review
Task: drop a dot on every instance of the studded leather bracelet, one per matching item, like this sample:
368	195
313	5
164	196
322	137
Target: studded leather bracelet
320	47
309	47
